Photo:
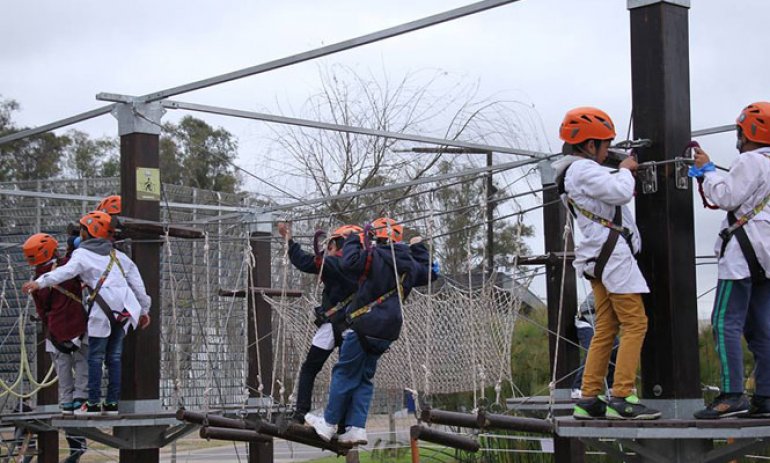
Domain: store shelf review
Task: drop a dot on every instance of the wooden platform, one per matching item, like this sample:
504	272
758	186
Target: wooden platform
736	428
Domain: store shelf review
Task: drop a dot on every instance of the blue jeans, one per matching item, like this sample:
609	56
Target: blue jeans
742	308
351	388
105	351
584	338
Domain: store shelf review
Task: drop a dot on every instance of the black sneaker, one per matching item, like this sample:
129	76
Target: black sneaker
110	408
760	407
89	409
629	408
724	406
591	408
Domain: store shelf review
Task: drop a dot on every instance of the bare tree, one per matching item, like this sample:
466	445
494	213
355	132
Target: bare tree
431	103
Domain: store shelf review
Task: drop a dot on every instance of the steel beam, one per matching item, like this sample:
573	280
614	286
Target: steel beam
347	128
330	49
58	124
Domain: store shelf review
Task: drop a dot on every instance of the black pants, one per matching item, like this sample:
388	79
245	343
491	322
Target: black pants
316	357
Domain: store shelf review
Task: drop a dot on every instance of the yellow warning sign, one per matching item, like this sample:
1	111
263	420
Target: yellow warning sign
147	184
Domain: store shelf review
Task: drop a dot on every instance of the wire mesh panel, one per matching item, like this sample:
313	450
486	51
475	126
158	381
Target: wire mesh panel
202	336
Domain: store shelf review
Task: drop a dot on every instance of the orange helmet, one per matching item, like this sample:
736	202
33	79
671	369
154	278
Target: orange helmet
110	205
346	229
754	122
386	228
39	248
586	123
98	224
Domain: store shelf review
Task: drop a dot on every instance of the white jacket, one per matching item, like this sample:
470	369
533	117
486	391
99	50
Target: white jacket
739	190
595	189
118	291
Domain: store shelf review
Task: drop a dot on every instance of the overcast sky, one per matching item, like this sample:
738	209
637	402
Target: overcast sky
549	54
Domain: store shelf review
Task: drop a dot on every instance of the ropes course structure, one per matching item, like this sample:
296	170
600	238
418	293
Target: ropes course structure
225	355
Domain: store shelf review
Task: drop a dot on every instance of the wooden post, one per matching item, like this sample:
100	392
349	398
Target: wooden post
260	452
560	320
140	197
48	441
661	110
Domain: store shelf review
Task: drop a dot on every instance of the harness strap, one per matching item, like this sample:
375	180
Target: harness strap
339	306
736	224
755	268
94	296
614	224
609	246
67	293
368	307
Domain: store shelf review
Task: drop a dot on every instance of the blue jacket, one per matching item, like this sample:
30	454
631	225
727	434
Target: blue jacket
338	284
384	320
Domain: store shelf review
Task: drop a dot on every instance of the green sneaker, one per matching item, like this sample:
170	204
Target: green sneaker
591	408
629	408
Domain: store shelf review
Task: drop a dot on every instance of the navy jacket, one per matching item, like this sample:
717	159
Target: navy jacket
338	284
384	320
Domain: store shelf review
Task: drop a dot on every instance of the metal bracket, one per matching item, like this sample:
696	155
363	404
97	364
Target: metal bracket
648	177
630	144
134	116
681	167
640	3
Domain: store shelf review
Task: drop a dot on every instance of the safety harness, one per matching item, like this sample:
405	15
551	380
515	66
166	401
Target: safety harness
615	227
368	307
94	295
735	228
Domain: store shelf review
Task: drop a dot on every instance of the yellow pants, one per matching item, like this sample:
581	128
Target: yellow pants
615	313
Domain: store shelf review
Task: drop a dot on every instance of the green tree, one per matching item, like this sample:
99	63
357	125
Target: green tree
193	153
87	157
29	158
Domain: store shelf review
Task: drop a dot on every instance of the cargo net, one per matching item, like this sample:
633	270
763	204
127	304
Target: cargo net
453	340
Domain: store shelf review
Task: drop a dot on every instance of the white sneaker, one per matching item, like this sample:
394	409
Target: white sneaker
353	436
576	394
324	430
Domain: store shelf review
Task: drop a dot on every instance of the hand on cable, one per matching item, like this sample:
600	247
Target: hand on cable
629	163
144	321
284	229
700	157
435	269
415	240
29	286
699	170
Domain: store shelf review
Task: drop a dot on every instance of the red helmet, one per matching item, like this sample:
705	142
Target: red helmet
586	123
386	228
39	248
754	122
111	205
98	224
347	229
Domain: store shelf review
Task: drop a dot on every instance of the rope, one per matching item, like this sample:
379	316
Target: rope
207	320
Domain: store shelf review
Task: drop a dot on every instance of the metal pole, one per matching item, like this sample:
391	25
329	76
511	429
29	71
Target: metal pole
330	49
560	321
490	218
468	147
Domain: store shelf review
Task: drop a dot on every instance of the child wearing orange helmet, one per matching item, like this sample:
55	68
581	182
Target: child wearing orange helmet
605	256
339	288
742	302
116	301
61	311
386	273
